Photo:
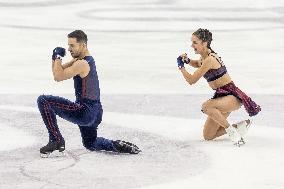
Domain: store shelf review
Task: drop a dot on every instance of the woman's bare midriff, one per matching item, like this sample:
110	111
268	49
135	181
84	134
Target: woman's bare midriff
224	80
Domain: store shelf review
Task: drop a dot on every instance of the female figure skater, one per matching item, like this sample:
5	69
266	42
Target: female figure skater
227	97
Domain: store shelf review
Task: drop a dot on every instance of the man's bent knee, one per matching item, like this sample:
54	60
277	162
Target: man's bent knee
41	99
88	144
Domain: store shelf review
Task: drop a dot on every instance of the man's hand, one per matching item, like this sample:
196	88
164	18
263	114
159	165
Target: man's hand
58	53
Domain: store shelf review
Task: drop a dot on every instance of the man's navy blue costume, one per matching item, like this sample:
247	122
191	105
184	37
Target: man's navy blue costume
86	112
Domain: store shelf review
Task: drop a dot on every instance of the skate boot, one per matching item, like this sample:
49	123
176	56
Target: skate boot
234	136
242	127
51	147
126	147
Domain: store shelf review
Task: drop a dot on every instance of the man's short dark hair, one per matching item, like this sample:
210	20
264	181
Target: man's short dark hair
80	36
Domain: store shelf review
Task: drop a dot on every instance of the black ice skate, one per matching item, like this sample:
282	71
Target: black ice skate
126	147
51	147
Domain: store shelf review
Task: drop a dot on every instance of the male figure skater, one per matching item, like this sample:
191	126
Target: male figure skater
87	110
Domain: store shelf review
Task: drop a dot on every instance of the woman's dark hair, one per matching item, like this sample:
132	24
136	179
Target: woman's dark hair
80	36
204	35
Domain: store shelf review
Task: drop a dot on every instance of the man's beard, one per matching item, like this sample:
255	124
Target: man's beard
75	55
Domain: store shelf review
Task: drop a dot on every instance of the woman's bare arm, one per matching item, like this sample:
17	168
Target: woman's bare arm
195	63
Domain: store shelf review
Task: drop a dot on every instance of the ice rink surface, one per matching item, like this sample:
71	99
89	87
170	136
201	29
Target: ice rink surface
145	99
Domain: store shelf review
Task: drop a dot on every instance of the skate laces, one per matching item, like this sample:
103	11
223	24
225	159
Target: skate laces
243	126
246	123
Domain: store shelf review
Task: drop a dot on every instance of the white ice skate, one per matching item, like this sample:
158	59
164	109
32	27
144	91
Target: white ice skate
234	136
243	126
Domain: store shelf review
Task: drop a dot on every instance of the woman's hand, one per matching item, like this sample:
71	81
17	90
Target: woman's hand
182	59
185	59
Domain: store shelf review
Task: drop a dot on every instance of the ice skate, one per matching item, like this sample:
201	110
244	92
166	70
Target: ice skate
235	136
52	146
126	147
242	127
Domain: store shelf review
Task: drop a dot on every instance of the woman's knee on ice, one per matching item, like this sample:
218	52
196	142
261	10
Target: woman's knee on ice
208	136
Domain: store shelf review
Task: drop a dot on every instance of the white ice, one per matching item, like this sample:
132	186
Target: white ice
135	44
10	137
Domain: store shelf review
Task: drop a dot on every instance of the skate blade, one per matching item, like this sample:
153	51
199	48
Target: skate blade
240	143
44	155
136	151
54	154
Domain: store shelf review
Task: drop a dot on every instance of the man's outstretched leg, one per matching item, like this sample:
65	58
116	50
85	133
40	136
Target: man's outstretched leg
94	143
